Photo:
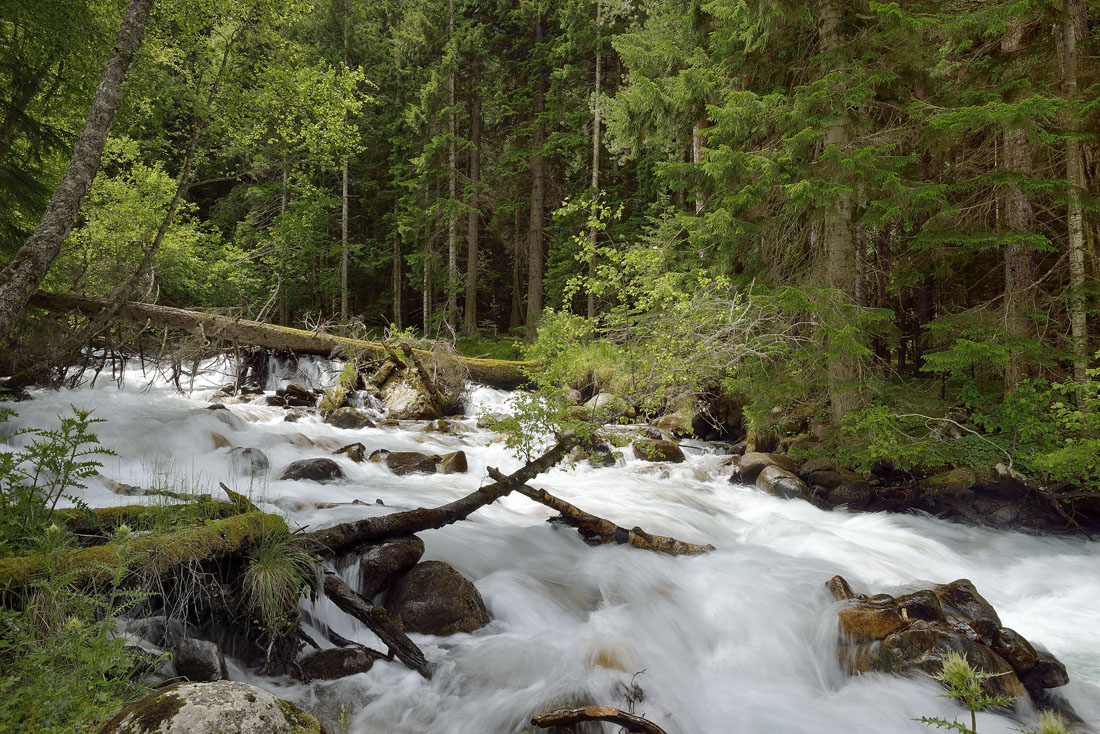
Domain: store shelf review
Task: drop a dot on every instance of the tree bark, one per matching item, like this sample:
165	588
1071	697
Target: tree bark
22	276
469	323
591	305
1073	16
496	372
573	716
1019	257
452	183
839	244
345	254
334	540
538	193
515	319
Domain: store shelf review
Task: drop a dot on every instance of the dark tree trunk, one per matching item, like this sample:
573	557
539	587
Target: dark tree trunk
469	323
538	194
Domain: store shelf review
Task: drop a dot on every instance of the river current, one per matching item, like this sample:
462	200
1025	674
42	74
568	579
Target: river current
742	640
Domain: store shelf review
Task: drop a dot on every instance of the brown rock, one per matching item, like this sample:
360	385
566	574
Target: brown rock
316	470
405	462
864	622
1048	672
831	478
357	452
658	450
754	462
781	483
296	396
921	605
220	441
840	587
435	599
380	564
1019	653
962	599
349	418
453	463
337	662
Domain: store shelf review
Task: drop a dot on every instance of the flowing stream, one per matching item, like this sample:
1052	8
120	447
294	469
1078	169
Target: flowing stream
740	640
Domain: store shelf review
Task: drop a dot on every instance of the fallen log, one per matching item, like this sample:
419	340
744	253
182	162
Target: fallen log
378	621
495	372
334	540
598	531
569	717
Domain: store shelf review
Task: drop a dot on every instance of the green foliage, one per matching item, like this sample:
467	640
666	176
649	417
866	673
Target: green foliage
964	685
34	477
280	570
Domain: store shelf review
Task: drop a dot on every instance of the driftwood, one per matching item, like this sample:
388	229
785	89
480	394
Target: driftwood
378	621
495	372
598	531
338	538
569	717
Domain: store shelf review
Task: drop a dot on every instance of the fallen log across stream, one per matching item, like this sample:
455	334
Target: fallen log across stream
494	372
598	531
573	716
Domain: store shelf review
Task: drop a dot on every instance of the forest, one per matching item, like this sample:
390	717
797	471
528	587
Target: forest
860	239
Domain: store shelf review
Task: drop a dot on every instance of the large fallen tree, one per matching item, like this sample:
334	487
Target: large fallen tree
495	372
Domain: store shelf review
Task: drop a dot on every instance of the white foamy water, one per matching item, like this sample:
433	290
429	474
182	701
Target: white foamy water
741	640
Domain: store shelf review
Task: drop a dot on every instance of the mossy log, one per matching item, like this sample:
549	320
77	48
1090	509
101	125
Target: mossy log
151	555
141	517
339	538
598	531
500	373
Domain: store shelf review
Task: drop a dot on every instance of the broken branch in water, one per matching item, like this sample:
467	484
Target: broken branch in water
598	531
568	717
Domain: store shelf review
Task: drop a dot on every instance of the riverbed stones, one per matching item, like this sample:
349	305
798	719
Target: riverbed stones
337	662
381	564
915	631
405	462
435	599
658	450
349	418
405	399
314	470
222	707
453	463
779	482
754	462
357	452
199	660
248	461
296	396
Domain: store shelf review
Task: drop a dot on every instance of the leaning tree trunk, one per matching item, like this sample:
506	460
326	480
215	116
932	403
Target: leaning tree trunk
538	197
840	247
21	278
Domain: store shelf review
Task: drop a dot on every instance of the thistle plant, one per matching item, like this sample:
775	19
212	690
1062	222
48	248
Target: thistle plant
964	685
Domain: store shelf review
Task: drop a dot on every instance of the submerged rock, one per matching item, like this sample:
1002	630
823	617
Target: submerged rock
248	461
315	470
349	418
658	450
435	599
223	707
357	452
405	462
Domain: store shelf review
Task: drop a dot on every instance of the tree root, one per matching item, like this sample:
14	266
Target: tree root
598	531
568	717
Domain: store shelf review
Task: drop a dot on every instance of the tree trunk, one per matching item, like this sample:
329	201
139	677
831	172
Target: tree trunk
591	310
499	373
839	244
697	154
398	283
21	278
344	253
469	323
452	186
515	320
538	194
1073	15
1019	257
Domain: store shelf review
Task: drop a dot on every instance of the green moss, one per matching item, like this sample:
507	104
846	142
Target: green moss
302	722
337	395
146	716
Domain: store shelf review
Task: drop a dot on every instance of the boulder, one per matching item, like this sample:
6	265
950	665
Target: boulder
435	599
296	396
754	462
445	427
405	462
1019	653
220	441
406	399
674	424
248	461
866	622
357	452
199	660
453	463
781	483
314	470
349	418
962	599
574	397
598	453
336	662
605	401
380	564
222	707
658	450
1047	672
856	495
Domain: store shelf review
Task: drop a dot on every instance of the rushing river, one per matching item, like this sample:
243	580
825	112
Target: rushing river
742	640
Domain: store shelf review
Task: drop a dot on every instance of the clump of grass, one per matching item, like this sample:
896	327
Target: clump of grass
279	570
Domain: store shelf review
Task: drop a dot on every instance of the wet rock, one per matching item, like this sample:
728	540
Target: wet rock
296	396
869	622
855	495
658	450
380	564
222	707
248	461
831	478
293	416
199	660
357	452
754	462
314	470
674	424
406	399
275	401
453	463
334	663
435	599
962	599
488	419
951	482
922	605
736	449
220	441
349	418
1019	653
840	587
405	462
598	453
781	483
1048	672
233	421
445	427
